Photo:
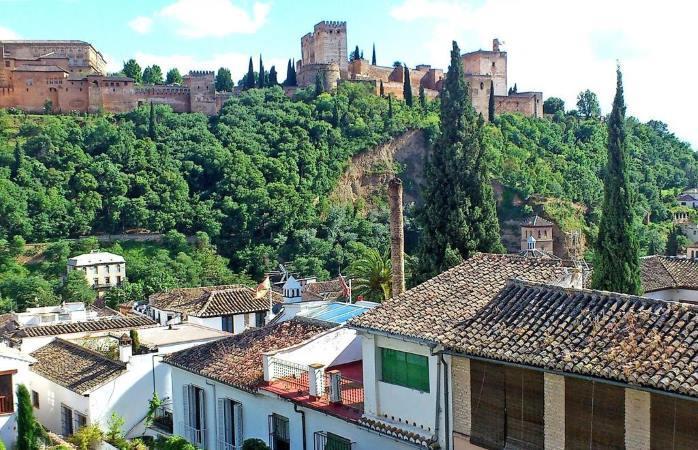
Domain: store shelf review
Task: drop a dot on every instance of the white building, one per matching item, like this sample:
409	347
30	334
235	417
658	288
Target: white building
66	312
103	270
231	308
689	198
77	382
14	370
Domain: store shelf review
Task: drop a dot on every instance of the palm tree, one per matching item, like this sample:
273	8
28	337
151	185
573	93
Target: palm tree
372	276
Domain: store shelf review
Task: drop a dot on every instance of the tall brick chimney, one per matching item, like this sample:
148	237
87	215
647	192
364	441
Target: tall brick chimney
397	236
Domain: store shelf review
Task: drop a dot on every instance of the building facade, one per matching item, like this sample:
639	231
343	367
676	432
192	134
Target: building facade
103	270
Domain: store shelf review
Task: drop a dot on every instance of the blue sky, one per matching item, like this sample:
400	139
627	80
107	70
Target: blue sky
556	46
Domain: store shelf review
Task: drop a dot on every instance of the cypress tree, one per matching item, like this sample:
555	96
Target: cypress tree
672	243
289	78
356	55
262	75
382	90
373	56
335	114
390	106
151	122
617	263
490	109
319	85
459	215
293	71
273	76
406	85
249	80
422	97
27	428
17	161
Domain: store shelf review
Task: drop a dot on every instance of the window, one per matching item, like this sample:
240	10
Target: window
194	401
405	369
507	406
279	435
672	422
331	441
95	281
227	324
229	424
106	280
66	421
595	415
35	399
7	403
80	421
259	318
118	280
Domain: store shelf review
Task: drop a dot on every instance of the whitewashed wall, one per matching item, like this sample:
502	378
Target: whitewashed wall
51	397
8	422
257	408
677	295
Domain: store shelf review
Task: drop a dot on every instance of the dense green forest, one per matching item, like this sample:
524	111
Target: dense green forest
254	182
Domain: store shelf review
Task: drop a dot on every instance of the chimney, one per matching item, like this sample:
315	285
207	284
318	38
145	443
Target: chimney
125	349
397	236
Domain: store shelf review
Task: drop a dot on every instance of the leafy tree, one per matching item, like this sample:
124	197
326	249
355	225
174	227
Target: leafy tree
152	75
250	78
273	77
224	80
173	443
490	106
135	341
28	291
152	129
115	426
459	215
261	79
617	265
132	70
372	276
373	55
18	156
48	106
254	444
551	105
588	104
76	288
173	76
407	86
88	437
397	64
27	426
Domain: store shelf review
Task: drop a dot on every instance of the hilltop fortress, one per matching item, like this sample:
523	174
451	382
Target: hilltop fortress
70	76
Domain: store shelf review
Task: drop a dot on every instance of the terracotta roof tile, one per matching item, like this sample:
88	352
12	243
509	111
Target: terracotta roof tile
237	360
429	311
210	301
114	323
624	338
536	221
664	272
75	367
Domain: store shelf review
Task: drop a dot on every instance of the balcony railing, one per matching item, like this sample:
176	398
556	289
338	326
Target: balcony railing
6	404
194	435
162	419
292	375
348	392
325	441
222	445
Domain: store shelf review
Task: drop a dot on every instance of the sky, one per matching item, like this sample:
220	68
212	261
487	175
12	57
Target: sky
559	47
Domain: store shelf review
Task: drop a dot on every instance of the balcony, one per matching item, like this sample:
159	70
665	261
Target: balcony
336	390
196	436
222	445
162	420
328	441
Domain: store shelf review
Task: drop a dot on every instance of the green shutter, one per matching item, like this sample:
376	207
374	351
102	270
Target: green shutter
405	369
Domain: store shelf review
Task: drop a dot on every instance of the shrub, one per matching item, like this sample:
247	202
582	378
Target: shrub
254	444
87	438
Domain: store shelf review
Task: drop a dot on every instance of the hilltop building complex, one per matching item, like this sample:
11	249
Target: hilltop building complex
54	76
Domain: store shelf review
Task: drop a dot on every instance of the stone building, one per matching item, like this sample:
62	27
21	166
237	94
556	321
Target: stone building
102	270
539	232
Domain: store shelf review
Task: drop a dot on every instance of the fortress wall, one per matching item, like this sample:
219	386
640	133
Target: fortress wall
175	96
529	104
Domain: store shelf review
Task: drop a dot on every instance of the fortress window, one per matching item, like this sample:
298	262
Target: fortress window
482	85
7	64
494	64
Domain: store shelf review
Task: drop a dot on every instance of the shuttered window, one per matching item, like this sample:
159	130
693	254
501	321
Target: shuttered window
405	369
594	415
229	424
507	406
673	423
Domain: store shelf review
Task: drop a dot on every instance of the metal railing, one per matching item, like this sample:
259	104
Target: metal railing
292	375
351	392
162	419
194	435
222	445
325	441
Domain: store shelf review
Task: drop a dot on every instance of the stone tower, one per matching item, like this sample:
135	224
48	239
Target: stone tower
326	44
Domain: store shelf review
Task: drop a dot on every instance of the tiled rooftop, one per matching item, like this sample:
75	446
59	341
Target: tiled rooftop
75	367
536	221
106	324
629	339
429	311
210	301
664	272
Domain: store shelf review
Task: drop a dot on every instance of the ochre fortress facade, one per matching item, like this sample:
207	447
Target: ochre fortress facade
70	76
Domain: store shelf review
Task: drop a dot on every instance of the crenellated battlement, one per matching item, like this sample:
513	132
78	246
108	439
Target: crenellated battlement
330	25
201	73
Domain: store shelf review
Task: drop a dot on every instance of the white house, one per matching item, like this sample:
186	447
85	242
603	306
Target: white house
83	380
14	370
103	270
233	308
670	278
688	198
66	312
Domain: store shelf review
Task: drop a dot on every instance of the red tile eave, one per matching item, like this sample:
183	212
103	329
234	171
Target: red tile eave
320	404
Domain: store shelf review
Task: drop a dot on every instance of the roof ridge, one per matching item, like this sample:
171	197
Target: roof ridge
86	350
662	261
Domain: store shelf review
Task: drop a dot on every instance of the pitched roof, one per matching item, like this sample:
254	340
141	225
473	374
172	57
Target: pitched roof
210	301
114	323
634	340
75	367
88	259
686	198
322	290
237	360
665	272
431	309
536	221
29	68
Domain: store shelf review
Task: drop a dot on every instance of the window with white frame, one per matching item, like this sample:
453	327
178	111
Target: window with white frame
229	424
194	401
67	427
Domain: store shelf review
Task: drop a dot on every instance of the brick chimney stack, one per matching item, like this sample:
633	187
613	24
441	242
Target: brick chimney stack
397	236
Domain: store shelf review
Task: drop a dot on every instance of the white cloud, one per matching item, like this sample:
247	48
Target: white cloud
562	47
141	24
214	18
236	62
6	33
